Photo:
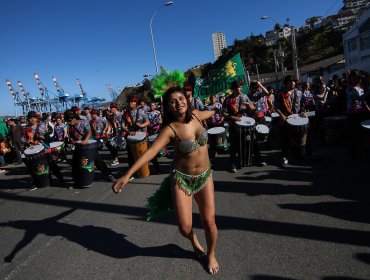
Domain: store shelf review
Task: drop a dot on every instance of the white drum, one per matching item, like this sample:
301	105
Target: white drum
56	149
274	115
34	150
311	114
137	137
217	138
151	138
366	124
268	119
296	120
262	133
246	121
298	128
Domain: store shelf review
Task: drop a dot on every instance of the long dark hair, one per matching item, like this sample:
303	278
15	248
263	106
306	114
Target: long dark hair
168	116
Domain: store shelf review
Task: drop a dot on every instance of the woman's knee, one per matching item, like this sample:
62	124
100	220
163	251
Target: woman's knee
209	224
185	229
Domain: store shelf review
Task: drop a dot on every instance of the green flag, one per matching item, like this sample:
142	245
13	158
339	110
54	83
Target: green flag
219	79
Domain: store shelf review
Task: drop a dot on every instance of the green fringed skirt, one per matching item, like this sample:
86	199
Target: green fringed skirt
161	201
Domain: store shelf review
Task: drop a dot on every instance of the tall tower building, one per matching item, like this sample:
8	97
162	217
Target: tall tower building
219	43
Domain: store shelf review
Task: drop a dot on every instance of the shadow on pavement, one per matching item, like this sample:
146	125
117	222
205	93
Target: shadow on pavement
310	232
364	257
98	239
345	210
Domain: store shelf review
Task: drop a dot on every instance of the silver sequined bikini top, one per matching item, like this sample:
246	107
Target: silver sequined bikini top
186	147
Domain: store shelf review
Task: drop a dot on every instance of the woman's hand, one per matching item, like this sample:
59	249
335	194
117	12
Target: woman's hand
120	183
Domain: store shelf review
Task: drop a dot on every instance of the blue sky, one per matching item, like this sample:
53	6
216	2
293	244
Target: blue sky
108	41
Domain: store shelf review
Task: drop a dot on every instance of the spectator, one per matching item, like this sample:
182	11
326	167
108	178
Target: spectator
15	136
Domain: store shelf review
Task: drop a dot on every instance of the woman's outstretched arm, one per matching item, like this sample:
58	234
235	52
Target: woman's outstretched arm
162	140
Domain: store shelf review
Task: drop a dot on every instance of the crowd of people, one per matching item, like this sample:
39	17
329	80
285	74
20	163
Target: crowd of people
344	96
183	123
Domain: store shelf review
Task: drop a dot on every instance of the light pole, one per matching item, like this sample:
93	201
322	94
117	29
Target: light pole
294	45
151	33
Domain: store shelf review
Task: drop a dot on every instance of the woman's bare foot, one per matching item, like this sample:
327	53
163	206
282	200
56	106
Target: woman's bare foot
213	266
198	249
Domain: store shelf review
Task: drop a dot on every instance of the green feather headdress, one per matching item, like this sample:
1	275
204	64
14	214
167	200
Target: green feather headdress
166	80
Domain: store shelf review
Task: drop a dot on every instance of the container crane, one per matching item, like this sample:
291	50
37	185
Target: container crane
27	98
63	97
113	94
16	98
82	96
44	92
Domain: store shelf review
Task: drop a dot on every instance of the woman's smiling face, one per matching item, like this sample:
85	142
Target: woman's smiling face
177	103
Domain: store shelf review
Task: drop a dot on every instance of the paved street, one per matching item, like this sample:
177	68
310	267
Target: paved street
309	221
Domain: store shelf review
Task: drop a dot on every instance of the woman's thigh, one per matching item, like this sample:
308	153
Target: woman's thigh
183	206
206	202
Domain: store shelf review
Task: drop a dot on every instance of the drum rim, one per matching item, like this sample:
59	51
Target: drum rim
133	137
243	121
267	130
33	147
296	117
151	136
61	144
214	128
91	141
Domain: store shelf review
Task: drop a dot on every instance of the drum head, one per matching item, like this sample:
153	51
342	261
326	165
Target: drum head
366	124
216	130
138	137
296	120
246	121
34	149
268	119
152	137
263	129
88	142
275	115
56	144
311	113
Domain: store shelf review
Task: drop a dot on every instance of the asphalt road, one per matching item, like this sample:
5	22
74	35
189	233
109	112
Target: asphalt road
309	221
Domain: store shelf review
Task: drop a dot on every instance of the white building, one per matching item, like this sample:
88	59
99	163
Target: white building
355	5
219	43
273	35
356	43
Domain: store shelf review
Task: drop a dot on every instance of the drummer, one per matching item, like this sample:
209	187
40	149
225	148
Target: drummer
116	120
235	105
101	129
60	134
32	135
80	130
155	119
217	119
289	101
136	120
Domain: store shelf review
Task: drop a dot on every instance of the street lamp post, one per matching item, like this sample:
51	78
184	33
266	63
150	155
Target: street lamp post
151	33
294	45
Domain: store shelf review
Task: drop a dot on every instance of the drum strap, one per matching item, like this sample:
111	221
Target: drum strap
76	130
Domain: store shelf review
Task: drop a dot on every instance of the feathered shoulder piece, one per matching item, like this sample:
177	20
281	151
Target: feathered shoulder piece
166	80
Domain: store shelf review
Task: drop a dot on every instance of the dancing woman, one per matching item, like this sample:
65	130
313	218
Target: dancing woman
191	174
